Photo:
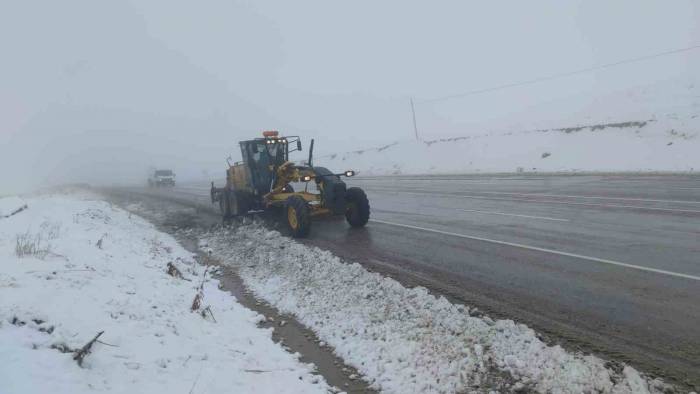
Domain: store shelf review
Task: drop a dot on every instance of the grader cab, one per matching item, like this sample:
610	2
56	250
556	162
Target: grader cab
263	181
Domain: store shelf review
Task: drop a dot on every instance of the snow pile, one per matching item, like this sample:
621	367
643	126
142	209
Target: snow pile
97	268
11	205
406	340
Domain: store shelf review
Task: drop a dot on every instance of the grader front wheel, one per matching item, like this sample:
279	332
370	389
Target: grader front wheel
298	216
357	208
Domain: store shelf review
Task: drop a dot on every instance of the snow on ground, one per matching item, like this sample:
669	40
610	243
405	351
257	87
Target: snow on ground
406	340
11	205
88	267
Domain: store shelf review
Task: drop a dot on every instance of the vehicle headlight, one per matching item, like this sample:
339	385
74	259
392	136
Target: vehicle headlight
306	178
350	173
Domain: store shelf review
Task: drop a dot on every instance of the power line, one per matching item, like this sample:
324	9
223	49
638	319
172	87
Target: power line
561	75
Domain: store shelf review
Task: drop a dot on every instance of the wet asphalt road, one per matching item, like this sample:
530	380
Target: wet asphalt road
609	264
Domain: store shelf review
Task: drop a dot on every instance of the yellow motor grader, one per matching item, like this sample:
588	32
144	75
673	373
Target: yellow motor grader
263	181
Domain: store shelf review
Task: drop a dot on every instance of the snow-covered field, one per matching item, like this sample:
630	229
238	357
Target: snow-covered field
72	267
646	129
406	340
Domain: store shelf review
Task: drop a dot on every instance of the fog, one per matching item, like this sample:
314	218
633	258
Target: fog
101	92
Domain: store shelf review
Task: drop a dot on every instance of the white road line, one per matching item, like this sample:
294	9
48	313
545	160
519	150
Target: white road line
581	203
590	197
574	255
513	214
565	196
384	181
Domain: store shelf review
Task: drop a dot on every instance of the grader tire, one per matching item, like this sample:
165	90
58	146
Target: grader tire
357	209
233	203
298	216
230	204
224	206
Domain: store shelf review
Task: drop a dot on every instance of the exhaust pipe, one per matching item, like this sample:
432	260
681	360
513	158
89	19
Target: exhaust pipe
311	152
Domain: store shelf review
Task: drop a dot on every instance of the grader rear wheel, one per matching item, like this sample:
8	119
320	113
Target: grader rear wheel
233	204
229	204
223	206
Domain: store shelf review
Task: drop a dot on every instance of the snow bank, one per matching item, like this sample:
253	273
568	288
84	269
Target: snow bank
98	268
406	340
11	205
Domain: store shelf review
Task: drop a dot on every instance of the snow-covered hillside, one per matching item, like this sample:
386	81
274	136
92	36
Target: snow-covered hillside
655	128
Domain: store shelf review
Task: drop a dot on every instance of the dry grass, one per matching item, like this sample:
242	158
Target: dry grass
37	245
32	245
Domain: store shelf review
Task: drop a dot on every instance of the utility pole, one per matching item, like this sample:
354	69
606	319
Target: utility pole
415	127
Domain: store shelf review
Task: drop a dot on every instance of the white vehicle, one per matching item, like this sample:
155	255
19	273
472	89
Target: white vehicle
161	178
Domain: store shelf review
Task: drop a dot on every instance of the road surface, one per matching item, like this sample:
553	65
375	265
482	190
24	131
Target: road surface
606	264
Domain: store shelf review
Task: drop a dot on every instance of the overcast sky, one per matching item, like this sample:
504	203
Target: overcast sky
95	90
